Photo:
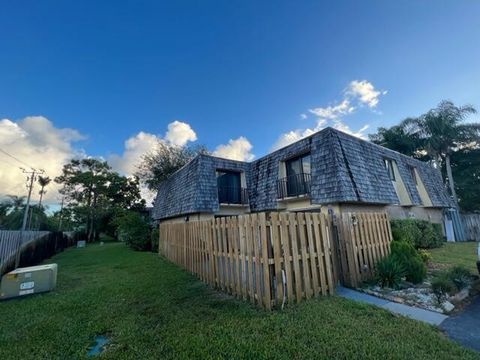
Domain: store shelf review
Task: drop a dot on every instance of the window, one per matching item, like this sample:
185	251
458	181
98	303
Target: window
229	187
390	170
414	175
297	180
299	165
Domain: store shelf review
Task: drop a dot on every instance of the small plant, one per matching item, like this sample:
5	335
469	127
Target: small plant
442	286
411	261
460	277
425	255
389	272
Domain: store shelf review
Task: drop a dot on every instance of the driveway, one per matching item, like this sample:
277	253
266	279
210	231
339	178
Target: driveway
465	327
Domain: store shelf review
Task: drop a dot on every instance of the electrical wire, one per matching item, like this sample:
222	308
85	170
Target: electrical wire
17	159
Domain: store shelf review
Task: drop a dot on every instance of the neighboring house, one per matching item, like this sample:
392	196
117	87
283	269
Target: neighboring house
327	170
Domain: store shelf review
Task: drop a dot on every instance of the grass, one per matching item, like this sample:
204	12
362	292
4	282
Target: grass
459	253
153	310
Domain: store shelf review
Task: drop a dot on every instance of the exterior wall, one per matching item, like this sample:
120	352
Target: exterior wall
297	204
422	192
434	215
191	217
232	210
399	186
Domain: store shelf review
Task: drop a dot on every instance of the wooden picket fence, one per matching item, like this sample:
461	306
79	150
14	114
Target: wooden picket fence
363	239
271	261
471	224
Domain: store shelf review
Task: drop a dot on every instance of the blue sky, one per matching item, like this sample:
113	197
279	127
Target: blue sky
229	69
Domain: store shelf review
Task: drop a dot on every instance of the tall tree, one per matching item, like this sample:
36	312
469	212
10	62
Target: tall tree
43	181
157	165
92	189
466	169
443	130
403	138
17	202
435	135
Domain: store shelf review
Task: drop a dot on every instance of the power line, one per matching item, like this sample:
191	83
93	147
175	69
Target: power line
15	158
9	163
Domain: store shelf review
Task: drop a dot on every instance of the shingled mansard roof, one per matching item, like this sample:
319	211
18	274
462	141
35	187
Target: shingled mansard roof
344	169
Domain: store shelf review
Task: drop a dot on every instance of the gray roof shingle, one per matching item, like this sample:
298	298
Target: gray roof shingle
344	169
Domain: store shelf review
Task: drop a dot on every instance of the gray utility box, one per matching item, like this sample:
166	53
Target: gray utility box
28	280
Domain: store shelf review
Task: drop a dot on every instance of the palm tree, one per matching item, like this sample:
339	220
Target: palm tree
43	181
443	130
17	202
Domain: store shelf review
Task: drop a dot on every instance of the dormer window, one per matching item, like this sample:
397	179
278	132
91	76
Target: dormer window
230	189
390	169
297	179
414	175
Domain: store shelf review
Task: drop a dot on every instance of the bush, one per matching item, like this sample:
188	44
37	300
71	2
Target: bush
441	286
411	261
419	233
460	277
389	272
425	255
133	230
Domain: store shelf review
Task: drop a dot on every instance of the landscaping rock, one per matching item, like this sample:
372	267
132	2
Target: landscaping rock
459	297
448	306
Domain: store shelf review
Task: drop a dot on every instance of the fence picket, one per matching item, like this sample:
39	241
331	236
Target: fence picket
247	255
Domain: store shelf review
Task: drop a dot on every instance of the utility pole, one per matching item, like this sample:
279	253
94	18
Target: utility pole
32	176
61	215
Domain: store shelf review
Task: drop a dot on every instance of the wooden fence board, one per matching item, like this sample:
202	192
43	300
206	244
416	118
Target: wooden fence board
250	256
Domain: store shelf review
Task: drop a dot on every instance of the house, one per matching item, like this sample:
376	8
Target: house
327	171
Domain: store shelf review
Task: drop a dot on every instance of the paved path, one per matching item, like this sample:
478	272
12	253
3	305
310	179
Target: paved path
429	317
465	327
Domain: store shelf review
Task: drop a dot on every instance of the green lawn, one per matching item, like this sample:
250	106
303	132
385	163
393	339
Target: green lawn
461	253
153	310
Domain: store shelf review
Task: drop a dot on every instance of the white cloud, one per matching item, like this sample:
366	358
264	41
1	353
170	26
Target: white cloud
236	149
179	133
295	135
290	137
303	116
334	112
134	148
37	142
357	94
360	133
365	92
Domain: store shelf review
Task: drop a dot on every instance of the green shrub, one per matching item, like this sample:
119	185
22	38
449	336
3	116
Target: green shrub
441	286
389	272
459	276
425	255
133	230
411	261
419	233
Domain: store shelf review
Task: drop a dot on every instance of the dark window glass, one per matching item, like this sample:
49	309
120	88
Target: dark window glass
414	175
229	187
389	167
297	181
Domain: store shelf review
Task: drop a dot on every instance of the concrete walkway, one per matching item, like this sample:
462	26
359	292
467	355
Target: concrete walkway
465	327
430	317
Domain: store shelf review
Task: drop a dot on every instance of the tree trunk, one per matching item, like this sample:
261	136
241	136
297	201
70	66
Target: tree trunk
448	167
41	197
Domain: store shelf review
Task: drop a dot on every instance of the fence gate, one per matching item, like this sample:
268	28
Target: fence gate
363	239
